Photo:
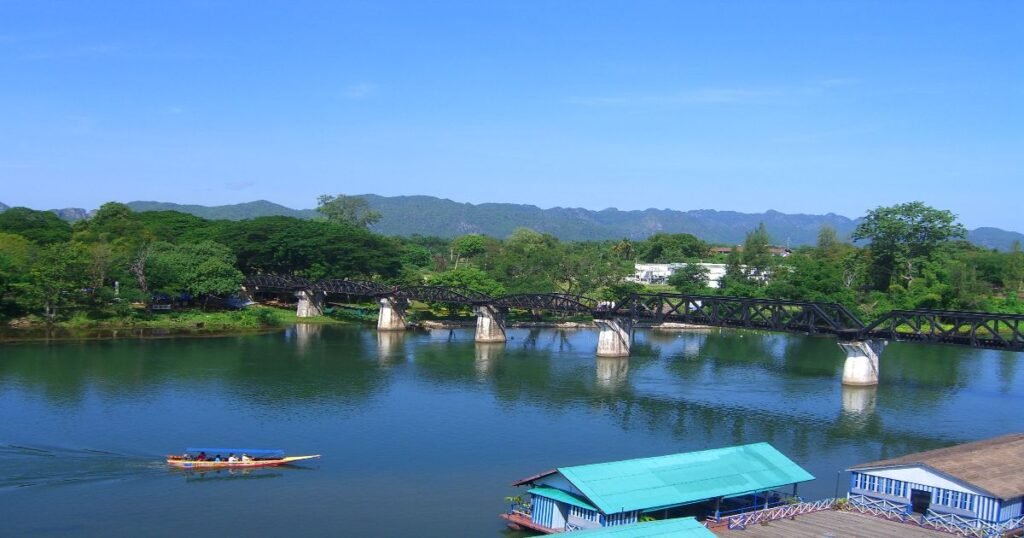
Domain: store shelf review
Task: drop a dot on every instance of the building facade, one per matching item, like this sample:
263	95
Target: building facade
980	483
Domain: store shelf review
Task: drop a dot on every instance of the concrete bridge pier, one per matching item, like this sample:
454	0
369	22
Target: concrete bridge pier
490	324
615	337
311	303
861	367
392	314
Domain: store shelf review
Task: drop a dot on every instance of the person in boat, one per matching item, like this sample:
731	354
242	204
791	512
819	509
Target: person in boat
217	458
246	458
201	456
232	458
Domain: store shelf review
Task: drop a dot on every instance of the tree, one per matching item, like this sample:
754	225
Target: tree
1013	271
672	248
40	227
691	279
350	210
757	255
828	240
204	268
529	262
467	246
902	236
57	278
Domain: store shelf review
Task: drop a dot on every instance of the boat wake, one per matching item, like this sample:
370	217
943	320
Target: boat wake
43	466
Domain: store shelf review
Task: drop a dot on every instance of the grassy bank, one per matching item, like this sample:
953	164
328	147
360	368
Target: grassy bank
252	318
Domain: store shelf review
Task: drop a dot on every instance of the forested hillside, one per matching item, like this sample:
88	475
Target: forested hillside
427	215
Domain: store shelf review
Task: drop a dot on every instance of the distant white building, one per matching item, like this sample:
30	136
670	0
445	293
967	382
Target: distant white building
658	273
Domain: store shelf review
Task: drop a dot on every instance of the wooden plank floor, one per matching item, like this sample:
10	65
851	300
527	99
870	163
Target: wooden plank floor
832	524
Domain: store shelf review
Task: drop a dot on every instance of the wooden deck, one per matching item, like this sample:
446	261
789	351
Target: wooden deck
521	522
833	524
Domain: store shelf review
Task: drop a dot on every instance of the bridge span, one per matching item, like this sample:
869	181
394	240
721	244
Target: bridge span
862	342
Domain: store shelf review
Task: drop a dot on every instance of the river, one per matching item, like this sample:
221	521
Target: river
422	432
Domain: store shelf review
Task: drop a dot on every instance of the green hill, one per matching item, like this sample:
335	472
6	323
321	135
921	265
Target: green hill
427	215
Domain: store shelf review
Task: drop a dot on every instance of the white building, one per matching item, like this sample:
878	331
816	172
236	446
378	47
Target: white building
658	273
979	485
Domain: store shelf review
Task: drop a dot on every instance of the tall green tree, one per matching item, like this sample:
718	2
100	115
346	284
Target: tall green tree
350	210
902	237
57	280
757	255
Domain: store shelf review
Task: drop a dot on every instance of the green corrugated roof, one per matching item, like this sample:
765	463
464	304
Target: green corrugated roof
646	483
686	527
559	495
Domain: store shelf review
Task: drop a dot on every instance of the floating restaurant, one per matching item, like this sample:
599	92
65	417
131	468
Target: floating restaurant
974	485
709	483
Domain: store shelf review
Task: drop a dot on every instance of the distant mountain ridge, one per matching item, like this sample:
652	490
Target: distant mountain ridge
428	215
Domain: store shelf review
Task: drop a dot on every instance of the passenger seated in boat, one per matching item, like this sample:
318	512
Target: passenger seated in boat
201	456
232	458
245	457
217	458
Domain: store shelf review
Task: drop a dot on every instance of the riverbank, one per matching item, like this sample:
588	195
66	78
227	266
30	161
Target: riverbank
161	325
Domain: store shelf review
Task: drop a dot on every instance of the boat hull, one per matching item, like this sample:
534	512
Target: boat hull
176	461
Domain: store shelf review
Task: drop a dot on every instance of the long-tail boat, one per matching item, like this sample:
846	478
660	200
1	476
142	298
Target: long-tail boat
257	457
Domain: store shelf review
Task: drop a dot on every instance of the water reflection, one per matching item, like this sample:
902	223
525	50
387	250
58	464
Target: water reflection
486	358
391	346
612	372
193	476
858	408
305	334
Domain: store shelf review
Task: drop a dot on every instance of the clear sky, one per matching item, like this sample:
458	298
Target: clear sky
811	107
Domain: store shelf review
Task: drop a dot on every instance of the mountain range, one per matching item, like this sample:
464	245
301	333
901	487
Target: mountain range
427	215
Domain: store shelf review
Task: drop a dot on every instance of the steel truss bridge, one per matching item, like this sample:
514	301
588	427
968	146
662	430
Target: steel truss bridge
977	329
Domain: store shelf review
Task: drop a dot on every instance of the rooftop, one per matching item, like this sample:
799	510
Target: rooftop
994	465
663	481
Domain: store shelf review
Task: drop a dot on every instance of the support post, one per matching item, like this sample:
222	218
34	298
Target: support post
311	303
615	337
392	314
861	367
490	324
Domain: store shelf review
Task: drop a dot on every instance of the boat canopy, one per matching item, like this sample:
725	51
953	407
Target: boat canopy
254	452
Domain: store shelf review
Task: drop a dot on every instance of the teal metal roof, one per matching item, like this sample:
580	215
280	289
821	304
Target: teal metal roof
686	527
559	495
648	483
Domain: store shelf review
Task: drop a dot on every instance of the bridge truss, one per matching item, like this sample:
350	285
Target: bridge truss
977	329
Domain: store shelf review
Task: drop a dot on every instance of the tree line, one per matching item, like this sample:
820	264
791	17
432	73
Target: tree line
904	256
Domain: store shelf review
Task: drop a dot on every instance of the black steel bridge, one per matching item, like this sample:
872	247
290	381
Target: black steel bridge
977	329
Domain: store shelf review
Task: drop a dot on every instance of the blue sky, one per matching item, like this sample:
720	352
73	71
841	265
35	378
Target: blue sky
808	107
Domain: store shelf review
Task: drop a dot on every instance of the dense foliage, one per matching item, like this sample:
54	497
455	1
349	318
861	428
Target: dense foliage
907	256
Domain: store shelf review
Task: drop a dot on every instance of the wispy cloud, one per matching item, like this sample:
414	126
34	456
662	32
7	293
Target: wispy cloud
240	185
360	90
701	96
718	95
83	51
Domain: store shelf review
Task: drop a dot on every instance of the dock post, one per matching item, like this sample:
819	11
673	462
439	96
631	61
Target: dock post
615	337
861	367
392	314
490	324
311	303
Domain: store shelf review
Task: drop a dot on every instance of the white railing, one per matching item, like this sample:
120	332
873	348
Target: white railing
741	521
878	507
951	523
